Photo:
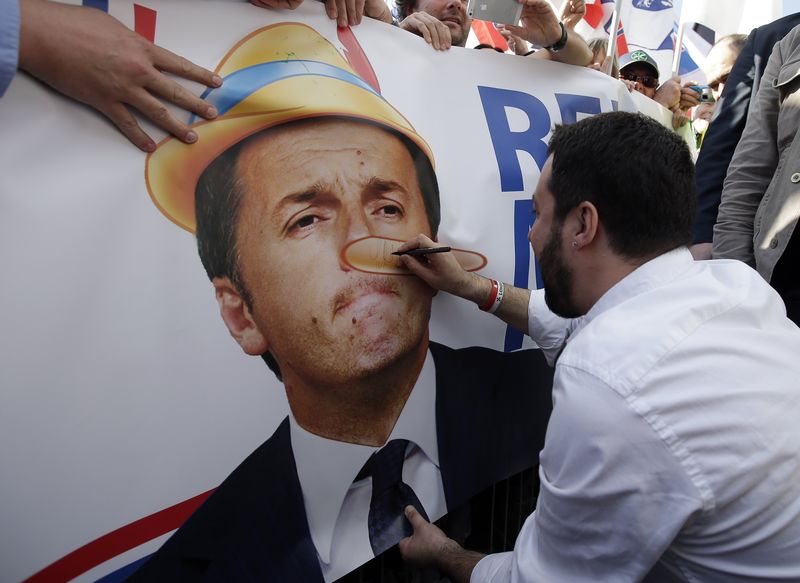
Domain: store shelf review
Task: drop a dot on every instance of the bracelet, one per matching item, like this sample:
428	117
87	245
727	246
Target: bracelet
501	290
488	304
560	43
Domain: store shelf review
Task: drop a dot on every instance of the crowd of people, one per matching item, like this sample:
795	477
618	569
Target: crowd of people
671	452
57	44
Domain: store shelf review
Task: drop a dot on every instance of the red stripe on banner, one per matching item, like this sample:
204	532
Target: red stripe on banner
144	22
487	34
118	541
357	58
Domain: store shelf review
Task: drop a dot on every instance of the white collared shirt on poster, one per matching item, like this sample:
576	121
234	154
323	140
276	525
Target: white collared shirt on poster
674	438
338	509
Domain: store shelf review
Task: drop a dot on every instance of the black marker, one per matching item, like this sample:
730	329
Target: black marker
423	251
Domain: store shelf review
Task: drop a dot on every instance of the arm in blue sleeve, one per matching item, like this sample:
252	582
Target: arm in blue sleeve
9	42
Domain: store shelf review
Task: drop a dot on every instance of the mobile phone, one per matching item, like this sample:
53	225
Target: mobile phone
706	95
502	11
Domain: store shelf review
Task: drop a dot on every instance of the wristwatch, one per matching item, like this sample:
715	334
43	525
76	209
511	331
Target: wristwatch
560	43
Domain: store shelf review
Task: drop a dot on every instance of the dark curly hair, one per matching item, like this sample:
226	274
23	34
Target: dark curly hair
639	175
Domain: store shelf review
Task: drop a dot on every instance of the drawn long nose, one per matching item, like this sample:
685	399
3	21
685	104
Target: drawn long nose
354	225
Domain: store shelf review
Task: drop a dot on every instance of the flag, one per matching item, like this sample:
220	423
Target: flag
731	16
597	19
143	18
598	13
596	23
697	42
622	43
649	26
485	33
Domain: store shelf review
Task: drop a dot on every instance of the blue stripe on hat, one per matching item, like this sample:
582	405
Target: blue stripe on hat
244	82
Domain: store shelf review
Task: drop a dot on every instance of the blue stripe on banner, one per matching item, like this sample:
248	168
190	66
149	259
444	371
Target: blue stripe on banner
523	220
239	85
123	572
99	4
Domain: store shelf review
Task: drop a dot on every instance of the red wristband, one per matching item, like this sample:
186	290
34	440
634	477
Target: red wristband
492	297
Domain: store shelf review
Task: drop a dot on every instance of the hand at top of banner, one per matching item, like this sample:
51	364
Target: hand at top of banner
668	94
378	10
90	56
540	27
285	4
679	119
539	23
433	30
518	45
573	12
344	12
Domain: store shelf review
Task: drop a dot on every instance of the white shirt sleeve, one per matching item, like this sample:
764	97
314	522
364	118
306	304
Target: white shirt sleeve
548	331
613	494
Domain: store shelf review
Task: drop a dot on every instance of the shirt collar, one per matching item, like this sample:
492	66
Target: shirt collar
326	468
654	273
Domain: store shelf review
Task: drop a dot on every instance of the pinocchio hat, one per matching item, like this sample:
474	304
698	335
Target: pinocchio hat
278	74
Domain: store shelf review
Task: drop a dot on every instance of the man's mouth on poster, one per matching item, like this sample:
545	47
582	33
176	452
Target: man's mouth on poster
366	297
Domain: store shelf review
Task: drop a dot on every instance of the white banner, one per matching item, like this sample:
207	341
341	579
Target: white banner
124	398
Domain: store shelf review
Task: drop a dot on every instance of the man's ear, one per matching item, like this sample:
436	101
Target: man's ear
238	319
585	224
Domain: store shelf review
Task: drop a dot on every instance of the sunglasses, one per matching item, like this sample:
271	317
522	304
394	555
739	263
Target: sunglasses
646	80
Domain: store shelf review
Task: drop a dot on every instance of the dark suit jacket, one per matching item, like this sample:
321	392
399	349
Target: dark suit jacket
491	415
729	119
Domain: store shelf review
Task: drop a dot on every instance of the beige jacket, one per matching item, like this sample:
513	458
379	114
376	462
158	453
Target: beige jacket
761	196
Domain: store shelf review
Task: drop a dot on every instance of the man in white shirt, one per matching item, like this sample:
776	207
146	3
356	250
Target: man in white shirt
673	451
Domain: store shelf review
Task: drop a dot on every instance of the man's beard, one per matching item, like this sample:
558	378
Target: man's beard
557	278
460	39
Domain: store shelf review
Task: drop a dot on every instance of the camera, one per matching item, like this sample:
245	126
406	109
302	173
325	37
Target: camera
706	95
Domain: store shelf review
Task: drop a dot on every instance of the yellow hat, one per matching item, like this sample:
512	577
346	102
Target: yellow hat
277	74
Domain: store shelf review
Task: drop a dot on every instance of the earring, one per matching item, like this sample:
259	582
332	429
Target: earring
575	244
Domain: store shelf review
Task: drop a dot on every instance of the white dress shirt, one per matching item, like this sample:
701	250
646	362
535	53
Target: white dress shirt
338	509
675	434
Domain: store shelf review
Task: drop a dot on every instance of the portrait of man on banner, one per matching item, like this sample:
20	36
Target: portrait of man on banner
297	193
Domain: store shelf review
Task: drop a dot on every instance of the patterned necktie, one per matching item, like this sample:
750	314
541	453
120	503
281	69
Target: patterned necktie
390	496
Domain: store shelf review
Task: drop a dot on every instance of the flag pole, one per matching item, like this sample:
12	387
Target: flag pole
676	53
612	40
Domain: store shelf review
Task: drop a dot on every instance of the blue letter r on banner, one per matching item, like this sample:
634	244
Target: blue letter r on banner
506	143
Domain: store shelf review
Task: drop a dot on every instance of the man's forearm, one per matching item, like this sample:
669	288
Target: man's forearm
575	52
457	562
513	309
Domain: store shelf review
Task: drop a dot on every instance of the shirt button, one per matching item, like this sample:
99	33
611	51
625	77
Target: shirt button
774	243
796	177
